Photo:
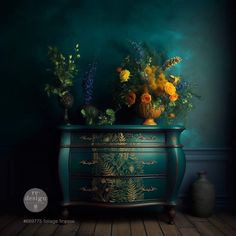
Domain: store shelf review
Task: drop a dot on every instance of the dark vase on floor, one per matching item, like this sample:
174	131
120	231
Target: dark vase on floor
202	196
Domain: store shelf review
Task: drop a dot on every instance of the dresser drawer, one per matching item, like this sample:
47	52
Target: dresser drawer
117	162
117	190
117	138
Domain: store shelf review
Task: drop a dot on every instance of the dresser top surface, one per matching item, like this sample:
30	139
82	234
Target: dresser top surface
120	127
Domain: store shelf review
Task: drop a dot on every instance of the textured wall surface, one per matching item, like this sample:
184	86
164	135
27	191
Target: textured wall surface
198	31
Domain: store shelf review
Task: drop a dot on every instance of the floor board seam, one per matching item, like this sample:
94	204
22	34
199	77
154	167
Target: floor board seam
193	222
217	227
95	226
225	222
112	221
144	227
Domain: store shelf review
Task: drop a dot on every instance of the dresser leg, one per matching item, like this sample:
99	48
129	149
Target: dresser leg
65	213
171	214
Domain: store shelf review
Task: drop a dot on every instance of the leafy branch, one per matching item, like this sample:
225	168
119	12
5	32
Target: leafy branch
64	68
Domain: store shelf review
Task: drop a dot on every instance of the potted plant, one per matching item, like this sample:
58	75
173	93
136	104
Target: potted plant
64	68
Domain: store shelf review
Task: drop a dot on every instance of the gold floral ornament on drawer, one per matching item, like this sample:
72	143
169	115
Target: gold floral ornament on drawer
115	164
117	190
120	162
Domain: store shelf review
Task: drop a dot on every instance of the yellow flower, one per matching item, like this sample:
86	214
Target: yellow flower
174	97
124	75
152	83
148	70
154	69
175	79
162	77
170	88
161	81
160	85
146	98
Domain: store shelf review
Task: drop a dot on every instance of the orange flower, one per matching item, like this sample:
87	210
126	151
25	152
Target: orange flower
171	115
174	97
131	98
146	98
118	69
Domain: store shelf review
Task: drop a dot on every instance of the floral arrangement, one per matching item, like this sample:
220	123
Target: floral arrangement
64	69
144	78
92	115
87	83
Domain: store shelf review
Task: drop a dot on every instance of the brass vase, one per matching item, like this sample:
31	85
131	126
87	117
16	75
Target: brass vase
149	112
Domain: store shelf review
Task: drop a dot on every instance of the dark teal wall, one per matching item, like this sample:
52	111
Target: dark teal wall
195	30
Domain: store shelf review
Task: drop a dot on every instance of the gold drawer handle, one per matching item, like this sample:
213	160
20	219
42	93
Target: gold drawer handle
151	189
148	163
86	162
84	189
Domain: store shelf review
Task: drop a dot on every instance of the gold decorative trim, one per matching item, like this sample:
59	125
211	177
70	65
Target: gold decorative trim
148	163
84	176
119	146
88	162
150	189
84	189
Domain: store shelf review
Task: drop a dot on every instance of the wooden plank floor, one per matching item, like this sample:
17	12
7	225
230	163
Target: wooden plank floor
143	224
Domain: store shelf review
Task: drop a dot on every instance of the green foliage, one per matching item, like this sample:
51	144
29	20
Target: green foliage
182	106
93	116
64	68
107	118
90	113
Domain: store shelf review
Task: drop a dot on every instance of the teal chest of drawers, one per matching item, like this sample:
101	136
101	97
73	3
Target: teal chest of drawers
121	166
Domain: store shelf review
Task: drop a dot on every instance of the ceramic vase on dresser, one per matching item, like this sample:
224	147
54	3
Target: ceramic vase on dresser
121	166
